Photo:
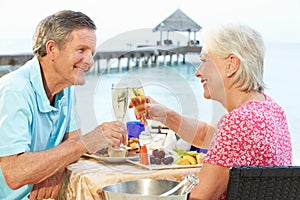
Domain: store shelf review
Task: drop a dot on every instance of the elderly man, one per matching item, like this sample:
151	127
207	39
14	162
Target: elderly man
39	125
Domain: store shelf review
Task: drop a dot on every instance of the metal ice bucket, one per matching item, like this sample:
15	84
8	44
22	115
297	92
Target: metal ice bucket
145	189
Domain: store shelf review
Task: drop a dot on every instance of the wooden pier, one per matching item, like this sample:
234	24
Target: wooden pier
142	56
15	60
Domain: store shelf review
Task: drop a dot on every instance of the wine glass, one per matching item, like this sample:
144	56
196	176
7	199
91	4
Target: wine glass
119	96
119	101
137	97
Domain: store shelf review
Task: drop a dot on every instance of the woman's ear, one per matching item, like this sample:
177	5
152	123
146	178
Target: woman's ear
233	65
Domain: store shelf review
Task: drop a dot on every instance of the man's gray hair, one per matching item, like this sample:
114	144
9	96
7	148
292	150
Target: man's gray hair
58	27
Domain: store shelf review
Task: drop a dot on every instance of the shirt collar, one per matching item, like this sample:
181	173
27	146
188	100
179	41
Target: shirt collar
36	81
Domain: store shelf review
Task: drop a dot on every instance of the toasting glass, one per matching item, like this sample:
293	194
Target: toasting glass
119	96
119	101
137	97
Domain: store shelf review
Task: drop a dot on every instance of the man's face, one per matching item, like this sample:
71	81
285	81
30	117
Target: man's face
75	59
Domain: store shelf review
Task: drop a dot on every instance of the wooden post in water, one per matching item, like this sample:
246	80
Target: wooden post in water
96	66
107	65
128	63
156	60
149	61
171	60
140	62
165	60
119	64
178	57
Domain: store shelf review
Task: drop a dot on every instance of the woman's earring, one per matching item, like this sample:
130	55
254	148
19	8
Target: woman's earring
227	74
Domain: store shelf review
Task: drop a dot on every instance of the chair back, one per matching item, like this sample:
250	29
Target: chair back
264	183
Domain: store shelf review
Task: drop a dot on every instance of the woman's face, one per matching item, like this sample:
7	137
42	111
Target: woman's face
211	72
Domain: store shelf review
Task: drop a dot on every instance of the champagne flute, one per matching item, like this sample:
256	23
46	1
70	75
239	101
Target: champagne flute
137	97
119	101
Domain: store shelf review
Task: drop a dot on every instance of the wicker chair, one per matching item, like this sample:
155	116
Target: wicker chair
264	183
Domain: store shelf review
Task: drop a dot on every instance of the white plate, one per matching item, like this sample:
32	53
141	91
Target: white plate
162	166
112	159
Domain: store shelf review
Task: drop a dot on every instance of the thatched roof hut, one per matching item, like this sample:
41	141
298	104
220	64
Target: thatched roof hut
178	21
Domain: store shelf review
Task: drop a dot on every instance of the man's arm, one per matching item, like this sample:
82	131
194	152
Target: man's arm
35	167
49	188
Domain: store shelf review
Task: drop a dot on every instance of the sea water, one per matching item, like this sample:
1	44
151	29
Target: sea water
176	87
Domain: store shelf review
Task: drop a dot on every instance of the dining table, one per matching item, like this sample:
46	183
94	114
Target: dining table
85	178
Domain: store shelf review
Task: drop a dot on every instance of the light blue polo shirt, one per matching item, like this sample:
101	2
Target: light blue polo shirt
28	123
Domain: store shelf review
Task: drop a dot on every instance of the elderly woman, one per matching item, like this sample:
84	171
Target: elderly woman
255	129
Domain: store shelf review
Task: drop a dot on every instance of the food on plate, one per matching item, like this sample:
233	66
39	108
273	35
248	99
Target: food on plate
159	157
118	152
133	143
188	157
144	159
103	152
183	161
191	159
200	157
111	152
167	160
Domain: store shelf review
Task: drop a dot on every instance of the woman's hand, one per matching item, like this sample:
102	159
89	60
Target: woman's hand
154	111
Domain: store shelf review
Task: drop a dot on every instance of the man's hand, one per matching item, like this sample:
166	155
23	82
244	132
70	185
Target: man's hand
48	188
106	135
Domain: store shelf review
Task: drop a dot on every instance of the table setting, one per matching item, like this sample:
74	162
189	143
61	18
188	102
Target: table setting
152	152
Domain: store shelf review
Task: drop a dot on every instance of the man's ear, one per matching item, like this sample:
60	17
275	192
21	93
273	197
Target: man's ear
51	49
233	65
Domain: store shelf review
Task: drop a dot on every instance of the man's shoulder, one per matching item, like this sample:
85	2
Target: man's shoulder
14	81
20	78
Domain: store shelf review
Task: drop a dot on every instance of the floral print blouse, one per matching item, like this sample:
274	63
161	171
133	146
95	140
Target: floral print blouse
256	133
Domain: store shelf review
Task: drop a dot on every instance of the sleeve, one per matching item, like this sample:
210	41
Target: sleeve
74	120
15	120
232	144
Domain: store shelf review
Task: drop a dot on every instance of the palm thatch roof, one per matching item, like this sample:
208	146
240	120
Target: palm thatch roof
178	21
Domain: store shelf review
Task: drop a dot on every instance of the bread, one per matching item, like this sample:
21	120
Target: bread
117	152
133	143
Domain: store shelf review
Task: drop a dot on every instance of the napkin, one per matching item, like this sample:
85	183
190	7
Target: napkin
170	141
157	141
182	144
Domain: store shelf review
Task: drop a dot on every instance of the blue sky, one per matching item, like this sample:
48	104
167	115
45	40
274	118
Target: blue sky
276	20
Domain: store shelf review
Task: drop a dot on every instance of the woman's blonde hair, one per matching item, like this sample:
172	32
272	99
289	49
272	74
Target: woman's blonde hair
244	42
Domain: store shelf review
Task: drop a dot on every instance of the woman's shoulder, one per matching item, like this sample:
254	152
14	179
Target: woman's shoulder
255	110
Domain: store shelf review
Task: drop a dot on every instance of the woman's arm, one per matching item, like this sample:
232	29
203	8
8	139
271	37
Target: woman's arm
191	130
213	182
197	133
